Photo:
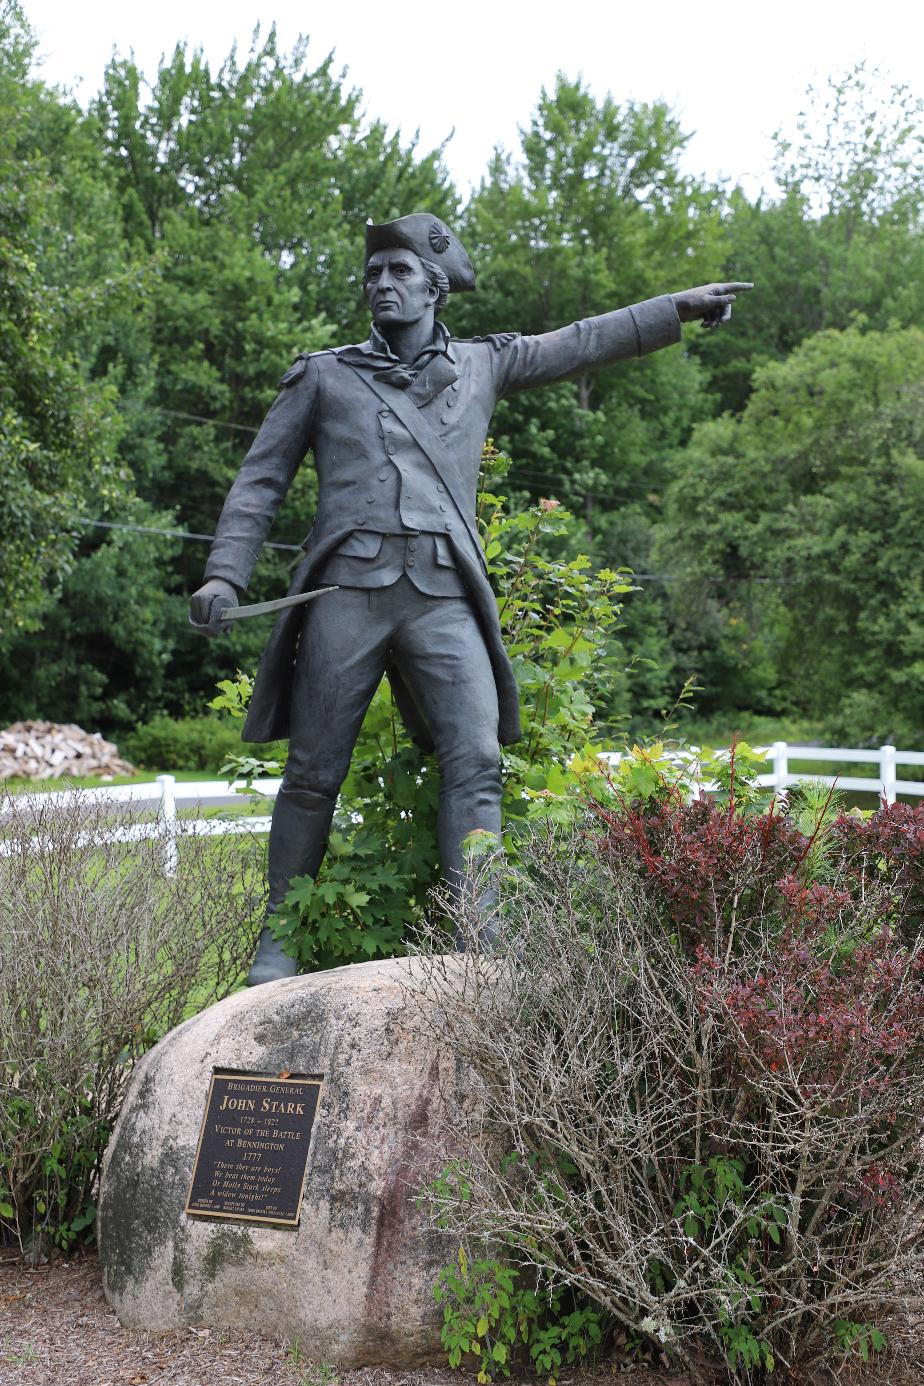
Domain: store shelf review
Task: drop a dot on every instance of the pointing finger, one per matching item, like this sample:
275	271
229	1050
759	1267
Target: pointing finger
736	288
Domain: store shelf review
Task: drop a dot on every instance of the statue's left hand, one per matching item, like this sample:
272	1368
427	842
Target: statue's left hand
710	302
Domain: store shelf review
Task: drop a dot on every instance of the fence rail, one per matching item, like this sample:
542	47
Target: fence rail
166	797
886	758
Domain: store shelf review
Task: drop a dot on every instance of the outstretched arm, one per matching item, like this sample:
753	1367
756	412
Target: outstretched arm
525	362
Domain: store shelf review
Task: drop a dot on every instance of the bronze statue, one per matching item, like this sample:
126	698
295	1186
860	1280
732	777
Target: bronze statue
396	425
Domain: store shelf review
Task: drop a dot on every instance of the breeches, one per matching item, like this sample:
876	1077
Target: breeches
347	639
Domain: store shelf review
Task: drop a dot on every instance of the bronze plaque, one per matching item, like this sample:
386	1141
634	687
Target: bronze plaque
253	1148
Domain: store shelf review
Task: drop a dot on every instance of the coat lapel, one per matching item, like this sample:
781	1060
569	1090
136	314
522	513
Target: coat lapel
438	374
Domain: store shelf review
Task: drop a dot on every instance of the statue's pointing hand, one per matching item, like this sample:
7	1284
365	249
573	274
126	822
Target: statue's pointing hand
710	302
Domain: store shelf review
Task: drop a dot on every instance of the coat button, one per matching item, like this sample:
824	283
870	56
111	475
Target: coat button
384	413
443	508
359	520
440	487
412	548
383	476
370	500
443	418
391	449
450	403
454	386
410	562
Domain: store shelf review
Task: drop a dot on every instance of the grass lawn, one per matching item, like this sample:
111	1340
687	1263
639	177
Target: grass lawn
17	786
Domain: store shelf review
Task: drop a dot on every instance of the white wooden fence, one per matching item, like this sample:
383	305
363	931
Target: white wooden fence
886	783
168	797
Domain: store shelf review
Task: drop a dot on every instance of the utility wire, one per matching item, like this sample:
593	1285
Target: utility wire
627	493
175	533
201	418
297	548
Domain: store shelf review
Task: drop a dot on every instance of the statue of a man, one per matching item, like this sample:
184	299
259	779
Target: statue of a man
396	425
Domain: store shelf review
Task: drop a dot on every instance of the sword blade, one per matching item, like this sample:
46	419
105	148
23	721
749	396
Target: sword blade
243	613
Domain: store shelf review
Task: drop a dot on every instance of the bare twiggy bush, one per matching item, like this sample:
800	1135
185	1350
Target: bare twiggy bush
719	1143
100	954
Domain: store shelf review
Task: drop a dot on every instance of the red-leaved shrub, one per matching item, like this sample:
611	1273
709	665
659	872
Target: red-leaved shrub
698	1057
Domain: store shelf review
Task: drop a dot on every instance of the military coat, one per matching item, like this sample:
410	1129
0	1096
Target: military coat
382	435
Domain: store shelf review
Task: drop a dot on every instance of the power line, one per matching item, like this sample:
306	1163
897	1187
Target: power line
175	533
627	493
297	548
201	418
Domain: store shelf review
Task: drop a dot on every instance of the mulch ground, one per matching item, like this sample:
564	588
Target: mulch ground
57	1330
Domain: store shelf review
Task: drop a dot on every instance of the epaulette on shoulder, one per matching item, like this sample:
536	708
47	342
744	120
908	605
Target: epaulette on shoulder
299	366
496	339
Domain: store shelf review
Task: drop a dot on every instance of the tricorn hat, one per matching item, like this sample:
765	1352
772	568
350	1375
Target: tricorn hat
429	238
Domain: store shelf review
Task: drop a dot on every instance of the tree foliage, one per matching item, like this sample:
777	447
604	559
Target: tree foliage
594	214
843	236
796	528
59	273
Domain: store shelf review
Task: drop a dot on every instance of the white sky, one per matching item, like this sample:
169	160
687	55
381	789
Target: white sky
734	72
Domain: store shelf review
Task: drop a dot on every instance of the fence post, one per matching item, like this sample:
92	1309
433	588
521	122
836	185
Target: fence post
780	753
168	819
887	772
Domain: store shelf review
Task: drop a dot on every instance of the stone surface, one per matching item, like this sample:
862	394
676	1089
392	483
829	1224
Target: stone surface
353	1283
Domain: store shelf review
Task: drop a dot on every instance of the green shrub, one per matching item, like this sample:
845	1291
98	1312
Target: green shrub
490	1322
102	954
175	744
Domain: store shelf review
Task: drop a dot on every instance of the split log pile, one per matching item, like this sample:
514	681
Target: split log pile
48	750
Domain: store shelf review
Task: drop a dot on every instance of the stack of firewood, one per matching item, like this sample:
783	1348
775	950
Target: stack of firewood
47	750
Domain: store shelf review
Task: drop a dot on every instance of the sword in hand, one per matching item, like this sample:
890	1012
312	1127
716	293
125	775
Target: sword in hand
217	603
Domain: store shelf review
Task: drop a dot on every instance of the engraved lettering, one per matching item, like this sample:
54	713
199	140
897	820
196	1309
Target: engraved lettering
253	1148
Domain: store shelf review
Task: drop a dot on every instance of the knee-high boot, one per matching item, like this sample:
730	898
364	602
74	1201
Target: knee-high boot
297	843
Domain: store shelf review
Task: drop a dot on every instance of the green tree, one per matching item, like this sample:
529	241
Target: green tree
595	214
794	533
107	635
60	272
842	237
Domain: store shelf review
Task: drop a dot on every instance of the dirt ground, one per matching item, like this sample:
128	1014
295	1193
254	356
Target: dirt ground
57	1330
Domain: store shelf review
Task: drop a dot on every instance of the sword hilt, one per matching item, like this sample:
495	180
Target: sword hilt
215	624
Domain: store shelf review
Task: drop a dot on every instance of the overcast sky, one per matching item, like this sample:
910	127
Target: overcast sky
733	72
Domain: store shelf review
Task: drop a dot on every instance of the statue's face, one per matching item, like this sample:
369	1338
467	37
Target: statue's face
397	289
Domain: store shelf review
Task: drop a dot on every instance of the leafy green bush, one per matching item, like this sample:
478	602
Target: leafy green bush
490	1322
697	1070
182	743
102	954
